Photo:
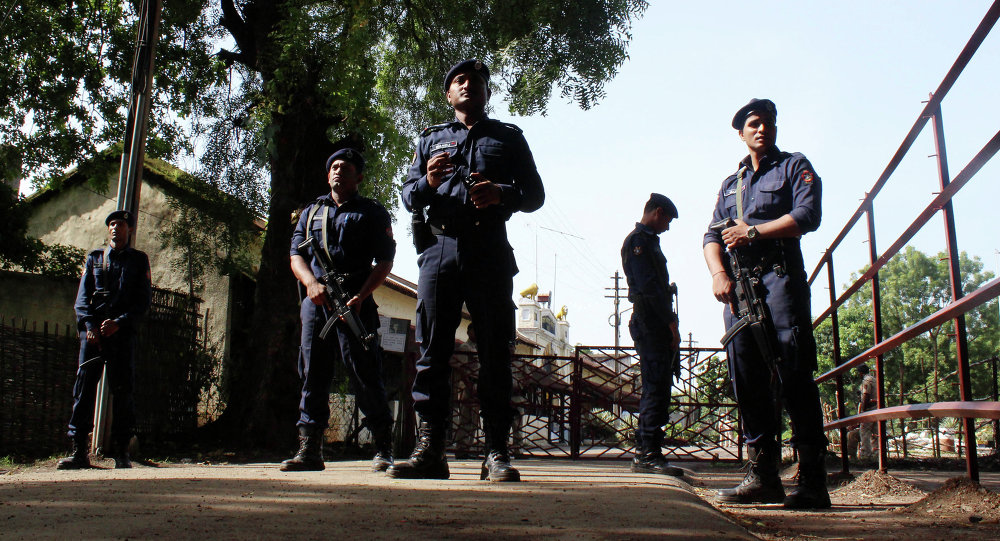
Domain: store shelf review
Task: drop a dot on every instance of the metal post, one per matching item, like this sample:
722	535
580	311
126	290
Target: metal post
961	340
996	422
130	173
877	333
845	465
618	316
575	408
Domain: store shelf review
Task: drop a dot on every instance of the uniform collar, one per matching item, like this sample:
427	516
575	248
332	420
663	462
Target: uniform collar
485	118
645	228
770	158
328	199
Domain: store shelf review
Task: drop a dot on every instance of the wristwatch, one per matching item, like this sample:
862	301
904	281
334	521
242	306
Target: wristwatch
752	233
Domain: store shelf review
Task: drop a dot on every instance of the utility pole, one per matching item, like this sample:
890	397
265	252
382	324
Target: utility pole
133	156
691	359
618	316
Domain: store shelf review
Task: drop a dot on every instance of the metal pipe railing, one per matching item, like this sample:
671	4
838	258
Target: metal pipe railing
960	303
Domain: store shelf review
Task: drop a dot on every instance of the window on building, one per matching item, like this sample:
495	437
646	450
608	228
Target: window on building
549	324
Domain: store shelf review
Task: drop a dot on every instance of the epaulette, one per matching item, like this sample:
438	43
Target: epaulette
512	126
434	128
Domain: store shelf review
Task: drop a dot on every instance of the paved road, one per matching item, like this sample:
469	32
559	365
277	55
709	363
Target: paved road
559	499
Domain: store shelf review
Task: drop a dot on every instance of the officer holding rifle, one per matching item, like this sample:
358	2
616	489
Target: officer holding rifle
339	317
114	294
762	211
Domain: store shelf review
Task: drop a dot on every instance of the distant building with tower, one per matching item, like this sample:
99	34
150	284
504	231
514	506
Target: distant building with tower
537	322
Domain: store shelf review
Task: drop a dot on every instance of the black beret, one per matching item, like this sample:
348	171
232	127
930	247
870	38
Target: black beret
467	65
657	200
126	215
348	155
755	106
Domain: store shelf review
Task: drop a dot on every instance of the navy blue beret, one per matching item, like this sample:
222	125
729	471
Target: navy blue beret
128	216
657	200
348	155
755	106
467	65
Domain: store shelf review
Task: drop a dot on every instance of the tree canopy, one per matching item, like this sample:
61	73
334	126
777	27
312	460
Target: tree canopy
261	91
914	285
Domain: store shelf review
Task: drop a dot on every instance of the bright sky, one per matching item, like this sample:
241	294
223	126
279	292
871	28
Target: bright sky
848	79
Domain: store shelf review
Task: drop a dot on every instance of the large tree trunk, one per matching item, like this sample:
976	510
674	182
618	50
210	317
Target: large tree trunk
262	403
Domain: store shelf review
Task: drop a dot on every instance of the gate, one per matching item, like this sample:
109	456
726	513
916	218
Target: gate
586	406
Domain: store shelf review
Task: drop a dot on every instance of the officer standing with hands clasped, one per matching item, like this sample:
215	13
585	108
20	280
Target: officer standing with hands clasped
114	295
471	175
353	231
654	330
773	199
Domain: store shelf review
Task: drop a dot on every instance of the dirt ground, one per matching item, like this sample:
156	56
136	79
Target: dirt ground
559	499
905	504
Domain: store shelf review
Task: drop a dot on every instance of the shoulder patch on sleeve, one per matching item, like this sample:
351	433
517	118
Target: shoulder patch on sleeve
637	249
806	176
431	129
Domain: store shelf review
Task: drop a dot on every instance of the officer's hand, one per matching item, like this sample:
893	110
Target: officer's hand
675	341
93	338
355	303
484	193
317	294
722	287
736	236
438	167
109	327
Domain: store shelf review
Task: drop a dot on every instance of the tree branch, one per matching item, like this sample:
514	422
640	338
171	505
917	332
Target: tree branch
242	33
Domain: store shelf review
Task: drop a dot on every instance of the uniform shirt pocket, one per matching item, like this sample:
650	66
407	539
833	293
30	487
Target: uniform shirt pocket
491	159
771	194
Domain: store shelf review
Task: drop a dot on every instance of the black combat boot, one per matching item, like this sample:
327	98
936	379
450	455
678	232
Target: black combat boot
496	466
810	487
310	455
78	460
120	454
761	484
428	460
383	448
649	459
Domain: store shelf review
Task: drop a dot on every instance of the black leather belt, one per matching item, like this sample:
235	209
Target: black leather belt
451	228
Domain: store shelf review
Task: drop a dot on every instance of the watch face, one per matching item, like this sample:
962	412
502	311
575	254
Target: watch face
752	233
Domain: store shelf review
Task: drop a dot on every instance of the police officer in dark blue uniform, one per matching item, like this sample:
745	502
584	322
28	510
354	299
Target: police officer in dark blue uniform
113	296
654	330
354	231
774	198
470	175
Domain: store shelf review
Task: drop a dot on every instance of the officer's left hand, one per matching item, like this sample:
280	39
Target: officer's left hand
484	193
109	327
736	236
355	303
675	340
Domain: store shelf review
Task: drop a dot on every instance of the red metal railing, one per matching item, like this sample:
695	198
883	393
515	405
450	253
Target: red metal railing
961	303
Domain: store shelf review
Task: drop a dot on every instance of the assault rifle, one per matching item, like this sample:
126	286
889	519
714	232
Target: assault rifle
100	300
672	289
751	311
334	283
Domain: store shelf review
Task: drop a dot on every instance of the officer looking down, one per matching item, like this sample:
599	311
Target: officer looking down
653	327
